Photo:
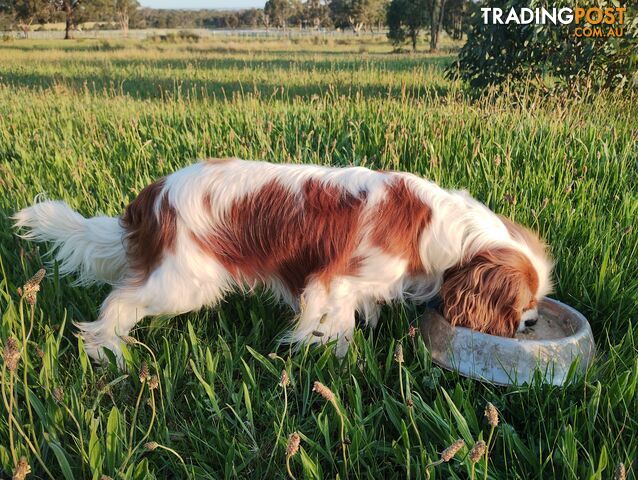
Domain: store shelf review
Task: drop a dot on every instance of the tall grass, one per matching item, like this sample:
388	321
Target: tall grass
92	123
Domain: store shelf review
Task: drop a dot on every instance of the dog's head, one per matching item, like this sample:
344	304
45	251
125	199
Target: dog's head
496	290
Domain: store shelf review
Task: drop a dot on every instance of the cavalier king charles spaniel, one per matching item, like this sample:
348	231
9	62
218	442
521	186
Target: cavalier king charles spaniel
329	242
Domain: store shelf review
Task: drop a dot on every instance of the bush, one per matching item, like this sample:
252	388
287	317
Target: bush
176	37
496	53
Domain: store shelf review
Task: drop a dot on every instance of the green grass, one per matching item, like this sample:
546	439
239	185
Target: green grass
93	122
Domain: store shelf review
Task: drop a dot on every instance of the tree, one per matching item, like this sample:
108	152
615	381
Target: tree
69	8
494	54
278	12
405	19
251	17
437	11
124	11
231	21
376	13
28	11
454	19
316	13
356	14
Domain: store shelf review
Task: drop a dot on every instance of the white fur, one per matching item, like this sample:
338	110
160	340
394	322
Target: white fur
188	279
90	246
531	314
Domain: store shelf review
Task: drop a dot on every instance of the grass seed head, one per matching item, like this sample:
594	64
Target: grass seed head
32	287
58	394
153	382
11	354
477	452
293	445
398	353
105	477
144	372
449	452
412	331
22	469
620	473
509	198
150	446
491	414
129	340
324	391
285	381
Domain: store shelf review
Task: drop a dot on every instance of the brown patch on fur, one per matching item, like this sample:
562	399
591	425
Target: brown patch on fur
533	303
273	232
489	292
147	236
526	236
399	222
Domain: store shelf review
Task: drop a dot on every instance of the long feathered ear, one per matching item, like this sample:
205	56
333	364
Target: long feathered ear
527	236
488	292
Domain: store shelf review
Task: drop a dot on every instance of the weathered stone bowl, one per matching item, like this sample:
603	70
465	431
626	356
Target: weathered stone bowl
560	338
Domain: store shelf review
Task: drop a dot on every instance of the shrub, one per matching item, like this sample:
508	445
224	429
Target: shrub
496	53
175	37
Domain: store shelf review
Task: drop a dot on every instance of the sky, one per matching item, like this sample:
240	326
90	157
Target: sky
217	4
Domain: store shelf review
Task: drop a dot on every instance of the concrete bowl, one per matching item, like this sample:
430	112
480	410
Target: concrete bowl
561	338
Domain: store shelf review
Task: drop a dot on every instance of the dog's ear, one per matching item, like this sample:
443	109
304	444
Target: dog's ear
525	235
488	292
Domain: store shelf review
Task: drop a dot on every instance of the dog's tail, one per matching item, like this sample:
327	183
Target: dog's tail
93	247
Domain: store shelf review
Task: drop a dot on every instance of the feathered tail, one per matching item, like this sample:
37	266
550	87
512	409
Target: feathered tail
93	247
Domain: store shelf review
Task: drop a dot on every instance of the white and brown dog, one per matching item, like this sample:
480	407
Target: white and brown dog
330	242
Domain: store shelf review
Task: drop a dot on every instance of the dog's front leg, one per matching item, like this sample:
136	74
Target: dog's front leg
327	313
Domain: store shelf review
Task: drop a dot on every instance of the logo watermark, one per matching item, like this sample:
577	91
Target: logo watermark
589	22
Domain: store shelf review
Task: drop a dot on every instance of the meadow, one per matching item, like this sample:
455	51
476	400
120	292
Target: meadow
92	122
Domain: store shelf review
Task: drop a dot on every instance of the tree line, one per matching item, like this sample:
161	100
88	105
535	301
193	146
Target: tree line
25	14
405	19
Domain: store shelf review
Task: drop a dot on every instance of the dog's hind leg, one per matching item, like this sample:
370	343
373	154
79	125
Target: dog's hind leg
171	289
121	310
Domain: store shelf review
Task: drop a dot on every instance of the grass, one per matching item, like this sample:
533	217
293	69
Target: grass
93	122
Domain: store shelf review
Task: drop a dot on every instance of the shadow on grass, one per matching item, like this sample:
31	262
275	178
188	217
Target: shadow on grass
362	64
140	87
227	47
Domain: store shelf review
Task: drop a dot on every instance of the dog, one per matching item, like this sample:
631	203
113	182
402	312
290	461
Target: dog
329	242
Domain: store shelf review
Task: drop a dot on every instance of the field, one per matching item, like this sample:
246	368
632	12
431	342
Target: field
92	122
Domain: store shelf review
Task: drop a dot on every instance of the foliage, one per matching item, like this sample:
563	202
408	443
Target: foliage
315	13
357	14
279	12
437	14
405	19
125	10
26	12
496	53
167	18
456	16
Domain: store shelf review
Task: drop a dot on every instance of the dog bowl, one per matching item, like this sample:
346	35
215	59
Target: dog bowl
560	339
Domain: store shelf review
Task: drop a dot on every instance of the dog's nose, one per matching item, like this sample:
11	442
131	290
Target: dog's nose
531	322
